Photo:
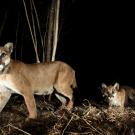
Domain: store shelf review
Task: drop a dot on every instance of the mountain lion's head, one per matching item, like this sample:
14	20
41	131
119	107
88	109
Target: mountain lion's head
110	90
5	53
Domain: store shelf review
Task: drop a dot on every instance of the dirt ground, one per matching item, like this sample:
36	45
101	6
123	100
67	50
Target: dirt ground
86	119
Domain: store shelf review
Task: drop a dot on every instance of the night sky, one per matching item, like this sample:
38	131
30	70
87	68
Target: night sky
96	39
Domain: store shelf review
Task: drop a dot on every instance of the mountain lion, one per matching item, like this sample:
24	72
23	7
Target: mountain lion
118	95
30	79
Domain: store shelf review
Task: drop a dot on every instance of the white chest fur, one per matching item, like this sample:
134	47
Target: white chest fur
9	85
4	97
1	67
114	101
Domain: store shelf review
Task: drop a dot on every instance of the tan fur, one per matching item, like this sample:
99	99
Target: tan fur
118	95
40	79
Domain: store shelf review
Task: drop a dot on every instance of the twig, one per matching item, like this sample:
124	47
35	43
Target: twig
92	127
39	29
33	24
38	24
50	32
56	26
67	125
77	133
54	127
88	124
19	129
3	23
37	58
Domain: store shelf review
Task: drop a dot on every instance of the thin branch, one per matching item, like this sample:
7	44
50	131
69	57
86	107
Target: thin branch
37	58
3	23
79	133
67	125
33	24
50	30
45	40
38	22
92	127
39	29
17	29
19	129
56	25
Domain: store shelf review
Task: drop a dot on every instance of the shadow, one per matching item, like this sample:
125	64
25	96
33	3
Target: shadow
128	129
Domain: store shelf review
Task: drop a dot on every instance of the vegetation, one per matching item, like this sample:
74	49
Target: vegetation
86	119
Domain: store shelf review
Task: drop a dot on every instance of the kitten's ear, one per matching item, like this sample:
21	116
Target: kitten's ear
9	47
116	86
104	85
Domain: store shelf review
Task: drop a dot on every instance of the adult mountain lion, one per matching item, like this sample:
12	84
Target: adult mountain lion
30	79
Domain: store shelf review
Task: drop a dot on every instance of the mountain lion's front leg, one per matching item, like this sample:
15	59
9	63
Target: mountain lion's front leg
4	97
31	105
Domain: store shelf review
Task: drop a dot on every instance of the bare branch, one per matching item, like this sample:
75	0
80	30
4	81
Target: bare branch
56	25
37	58
19	129
39	29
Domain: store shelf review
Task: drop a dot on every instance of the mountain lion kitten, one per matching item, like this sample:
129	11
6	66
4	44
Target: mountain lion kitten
30	79
118	95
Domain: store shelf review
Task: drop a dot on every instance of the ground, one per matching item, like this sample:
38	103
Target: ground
88	118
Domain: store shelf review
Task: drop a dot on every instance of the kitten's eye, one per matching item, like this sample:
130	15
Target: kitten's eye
112	92
3	54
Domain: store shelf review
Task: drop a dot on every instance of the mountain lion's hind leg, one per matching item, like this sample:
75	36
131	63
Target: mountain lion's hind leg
68	93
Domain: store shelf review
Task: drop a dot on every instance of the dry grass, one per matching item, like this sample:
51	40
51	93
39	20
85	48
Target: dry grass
87	119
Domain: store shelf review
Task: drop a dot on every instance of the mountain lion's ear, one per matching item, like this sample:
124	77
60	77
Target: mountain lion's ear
116	86
9	47
104	85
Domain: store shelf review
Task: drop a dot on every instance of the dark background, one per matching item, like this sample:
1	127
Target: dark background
96	39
